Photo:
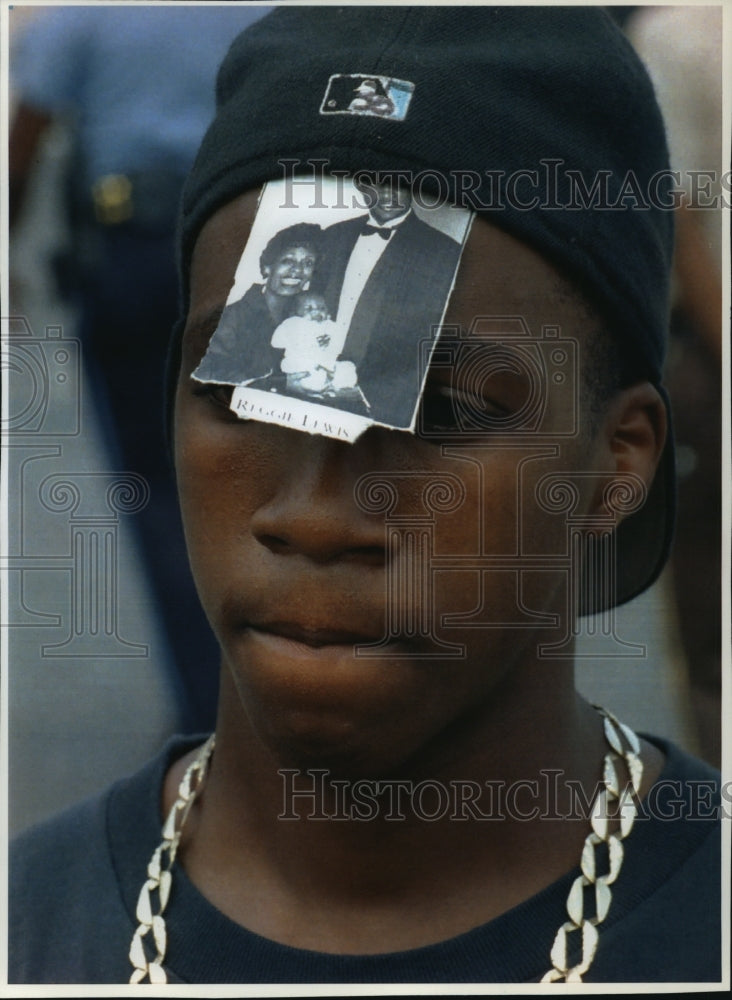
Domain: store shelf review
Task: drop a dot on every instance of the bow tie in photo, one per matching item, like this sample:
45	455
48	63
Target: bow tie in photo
369	230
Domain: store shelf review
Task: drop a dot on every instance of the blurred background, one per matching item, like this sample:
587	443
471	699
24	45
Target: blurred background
109	651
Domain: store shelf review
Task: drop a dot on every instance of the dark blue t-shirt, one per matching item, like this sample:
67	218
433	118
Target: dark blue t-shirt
75	882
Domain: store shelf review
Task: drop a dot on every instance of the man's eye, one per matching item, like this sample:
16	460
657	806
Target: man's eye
448	411
219	395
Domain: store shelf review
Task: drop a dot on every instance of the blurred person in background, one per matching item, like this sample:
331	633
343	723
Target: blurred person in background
135	87
682	50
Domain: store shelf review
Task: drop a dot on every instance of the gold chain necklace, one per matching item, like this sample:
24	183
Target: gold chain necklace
159	876
612	817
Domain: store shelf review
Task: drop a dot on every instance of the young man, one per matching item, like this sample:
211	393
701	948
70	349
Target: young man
405	786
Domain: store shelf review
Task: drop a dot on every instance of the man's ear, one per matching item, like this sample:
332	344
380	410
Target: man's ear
633	433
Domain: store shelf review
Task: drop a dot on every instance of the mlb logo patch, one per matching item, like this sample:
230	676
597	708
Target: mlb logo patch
374	96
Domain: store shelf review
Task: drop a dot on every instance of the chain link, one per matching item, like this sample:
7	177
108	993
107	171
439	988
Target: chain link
155	892
613	814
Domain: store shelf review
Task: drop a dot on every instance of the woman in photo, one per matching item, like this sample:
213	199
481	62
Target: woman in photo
240	350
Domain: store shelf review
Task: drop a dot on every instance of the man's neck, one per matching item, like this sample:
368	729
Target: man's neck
331	862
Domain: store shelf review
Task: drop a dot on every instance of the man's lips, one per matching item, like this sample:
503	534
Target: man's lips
315	636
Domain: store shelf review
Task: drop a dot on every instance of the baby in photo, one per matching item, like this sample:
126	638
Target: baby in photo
312	342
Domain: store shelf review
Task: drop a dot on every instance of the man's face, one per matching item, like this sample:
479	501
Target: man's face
291	271
386	200
441	553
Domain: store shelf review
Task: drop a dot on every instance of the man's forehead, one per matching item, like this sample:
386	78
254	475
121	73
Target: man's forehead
216	253
501	275
392	293
497	271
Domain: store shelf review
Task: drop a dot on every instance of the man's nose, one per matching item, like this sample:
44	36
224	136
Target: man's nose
312	511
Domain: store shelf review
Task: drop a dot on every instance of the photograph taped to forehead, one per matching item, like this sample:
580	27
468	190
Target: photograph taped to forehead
338	288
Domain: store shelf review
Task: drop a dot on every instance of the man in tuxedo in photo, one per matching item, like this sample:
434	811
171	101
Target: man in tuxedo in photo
386	277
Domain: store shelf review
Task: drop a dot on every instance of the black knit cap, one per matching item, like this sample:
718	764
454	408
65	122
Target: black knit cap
555	92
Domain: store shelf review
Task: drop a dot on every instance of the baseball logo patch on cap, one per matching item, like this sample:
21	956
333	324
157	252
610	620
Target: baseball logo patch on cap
363	94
